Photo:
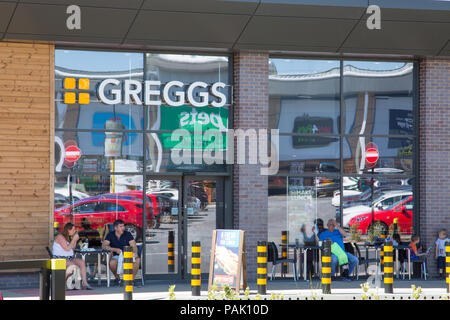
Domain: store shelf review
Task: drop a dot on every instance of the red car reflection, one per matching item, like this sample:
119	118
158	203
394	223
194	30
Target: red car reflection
92	214
402	210
153	206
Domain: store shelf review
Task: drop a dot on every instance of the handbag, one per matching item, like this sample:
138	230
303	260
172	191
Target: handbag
339	253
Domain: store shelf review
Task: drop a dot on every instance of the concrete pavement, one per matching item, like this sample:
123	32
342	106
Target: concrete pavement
302	290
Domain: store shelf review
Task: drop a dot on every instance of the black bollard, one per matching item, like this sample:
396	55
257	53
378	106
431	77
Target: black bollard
128	273
388	267
196	273
58	278
326	267
261	280
171	252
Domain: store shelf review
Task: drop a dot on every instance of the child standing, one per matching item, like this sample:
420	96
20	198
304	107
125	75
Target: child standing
440	251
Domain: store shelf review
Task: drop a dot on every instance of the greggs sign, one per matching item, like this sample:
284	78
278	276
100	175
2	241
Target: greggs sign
152	93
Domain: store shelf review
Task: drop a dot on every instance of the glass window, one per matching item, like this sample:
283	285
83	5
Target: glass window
197	111
309	154
378	107
304	96
395	154
295	203
378	98
99	152
78	75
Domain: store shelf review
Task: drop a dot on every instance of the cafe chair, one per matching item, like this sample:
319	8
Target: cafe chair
423	266
272	256
362	260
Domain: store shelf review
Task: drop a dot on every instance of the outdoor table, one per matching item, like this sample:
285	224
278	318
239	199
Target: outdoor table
302	248
99	253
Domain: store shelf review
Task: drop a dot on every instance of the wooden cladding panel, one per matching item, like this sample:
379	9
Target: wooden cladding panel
26	138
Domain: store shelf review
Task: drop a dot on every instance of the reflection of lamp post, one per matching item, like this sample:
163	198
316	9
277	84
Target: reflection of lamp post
113	140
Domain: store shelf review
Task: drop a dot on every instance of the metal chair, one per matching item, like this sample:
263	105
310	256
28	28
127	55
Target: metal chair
139	247
272	256
363	260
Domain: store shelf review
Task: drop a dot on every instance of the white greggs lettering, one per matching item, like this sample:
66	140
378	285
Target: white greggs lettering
130	92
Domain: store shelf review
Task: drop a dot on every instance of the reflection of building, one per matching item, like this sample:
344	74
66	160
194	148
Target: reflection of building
308	106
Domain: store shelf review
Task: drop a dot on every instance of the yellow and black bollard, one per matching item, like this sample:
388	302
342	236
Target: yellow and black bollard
261	280
58	278
284	253
447	266
128	273
196	273
326	267
382	258
171	252
388	268
55	228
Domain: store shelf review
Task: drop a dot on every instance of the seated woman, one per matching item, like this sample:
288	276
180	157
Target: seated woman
63	247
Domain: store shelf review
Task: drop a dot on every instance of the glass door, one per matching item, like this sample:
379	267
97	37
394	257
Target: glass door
203	206
185	209
162	240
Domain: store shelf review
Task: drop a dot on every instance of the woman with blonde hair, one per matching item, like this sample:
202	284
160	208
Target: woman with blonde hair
63	247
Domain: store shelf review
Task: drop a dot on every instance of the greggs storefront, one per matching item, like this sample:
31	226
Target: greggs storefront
159	129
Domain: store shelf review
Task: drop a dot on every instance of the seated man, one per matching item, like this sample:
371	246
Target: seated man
336	234
115	241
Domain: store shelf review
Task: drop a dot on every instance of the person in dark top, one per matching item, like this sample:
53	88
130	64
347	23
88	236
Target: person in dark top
114	242
319	223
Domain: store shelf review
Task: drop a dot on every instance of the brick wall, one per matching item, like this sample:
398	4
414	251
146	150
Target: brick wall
251	106
434	148
26	140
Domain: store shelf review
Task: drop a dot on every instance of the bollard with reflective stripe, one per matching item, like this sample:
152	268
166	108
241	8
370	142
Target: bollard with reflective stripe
388	267
447	266
171	252
57	268
128	273
196	273
284	253
261	280
326	267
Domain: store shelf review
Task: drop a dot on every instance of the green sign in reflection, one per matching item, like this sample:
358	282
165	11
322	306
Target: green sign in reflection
201	120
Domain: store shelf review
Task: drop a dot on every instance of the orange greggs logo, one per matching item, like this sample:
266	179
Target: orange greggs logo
71	97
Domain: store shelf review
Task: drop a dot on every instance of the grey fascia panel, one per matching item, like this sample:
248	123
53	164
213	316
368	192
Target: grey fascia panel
210	6
62	38
126	4
6	11
182	26
412	4
51	20
393	35
306	32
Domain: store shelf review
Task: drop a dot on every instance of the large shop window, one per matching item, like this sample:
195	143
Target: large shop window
115	118
323	134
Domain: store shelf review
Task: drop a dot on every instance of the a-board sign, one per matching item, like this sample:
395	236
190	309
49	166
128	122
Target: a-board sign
228	262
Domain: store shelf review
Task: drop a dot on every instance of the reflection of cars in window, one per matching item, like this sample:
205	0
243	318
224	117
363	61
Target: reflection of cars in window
326	185
401	210
152	204
101	210
381	203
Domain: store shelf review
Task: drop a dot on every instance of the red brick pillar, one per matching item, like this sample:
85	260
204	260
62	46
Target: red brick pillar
434	148
251	106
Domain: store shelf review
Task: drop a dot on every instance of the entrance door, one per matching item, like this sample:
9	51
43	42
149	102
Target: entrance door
185	209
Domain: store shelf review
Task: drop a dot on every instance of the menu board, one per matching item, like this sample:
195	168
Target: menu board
228	265
301	208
